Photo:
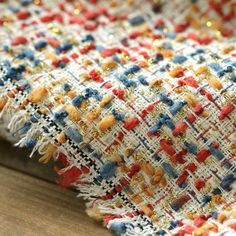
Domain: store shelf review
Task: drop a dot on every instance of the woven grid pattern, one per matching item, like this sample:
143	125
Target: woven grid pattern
143	117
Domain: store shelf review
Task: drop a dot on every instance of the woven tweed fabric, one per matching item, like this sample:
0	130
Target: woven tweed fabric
136	98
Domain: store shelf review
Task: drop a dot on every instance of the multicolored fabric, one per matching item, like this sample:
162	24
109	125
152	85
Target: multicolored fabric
136	98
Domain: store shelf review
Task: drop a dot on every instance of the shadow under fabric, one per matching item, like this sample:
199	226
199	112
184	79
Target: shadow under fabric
137	100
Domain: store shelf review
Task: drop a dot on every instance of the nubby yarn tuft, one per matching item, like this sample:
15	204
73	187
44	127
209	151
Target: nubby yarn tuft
135	99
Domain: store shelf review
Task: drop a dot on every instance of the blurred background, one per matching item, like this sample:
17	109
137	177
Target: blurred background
31	204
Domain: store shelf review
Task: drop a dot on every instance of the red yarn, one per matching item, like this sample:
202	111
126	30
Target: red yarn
47	18
182	178
131	123
181	27
95	75
53	42
22	15
180	128
167	146
199	221
203	155
69	177
120	93
109	52
190	81
199	184
226	110
19	40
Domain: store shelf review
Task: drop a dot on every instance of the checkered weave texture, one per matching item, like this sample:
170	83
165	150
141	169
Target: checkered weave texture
136	98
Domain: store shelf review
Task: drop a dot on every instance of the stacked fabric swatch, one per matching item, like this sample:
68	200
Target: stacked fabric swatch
136	98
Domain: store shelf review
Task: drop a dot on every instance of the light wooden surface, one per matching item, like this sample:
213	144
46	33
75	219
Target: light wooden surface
33	207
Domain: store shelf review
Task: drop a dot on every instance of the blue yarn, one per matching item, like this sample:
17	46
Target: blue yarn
160	232
165	119
177	106
88	37
227	60
200	50
175	206
156	157
201	59
108	170
11	73
165	99
162	69
215	56
118	227
14	73
206	199
155	128
191	147
167	46
229	69
30	143
170	35
96	155
117	115
98	180
133	69
40	45
217	153
216	191
25	2
169	170
227	165
214	214
137	20
116	58
78	100
227	181
121	76
36	62
1	82
233	78
25	127
162	118
215	66
20	68
183	185
7	63
221	73
173	224
5	48
12	8
67	87
29	54
59	117
169	123
20	56
62	64
99	48
65	47
33	119
233	64
129	83
88	148
89	92
142	80
74	134
36	115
